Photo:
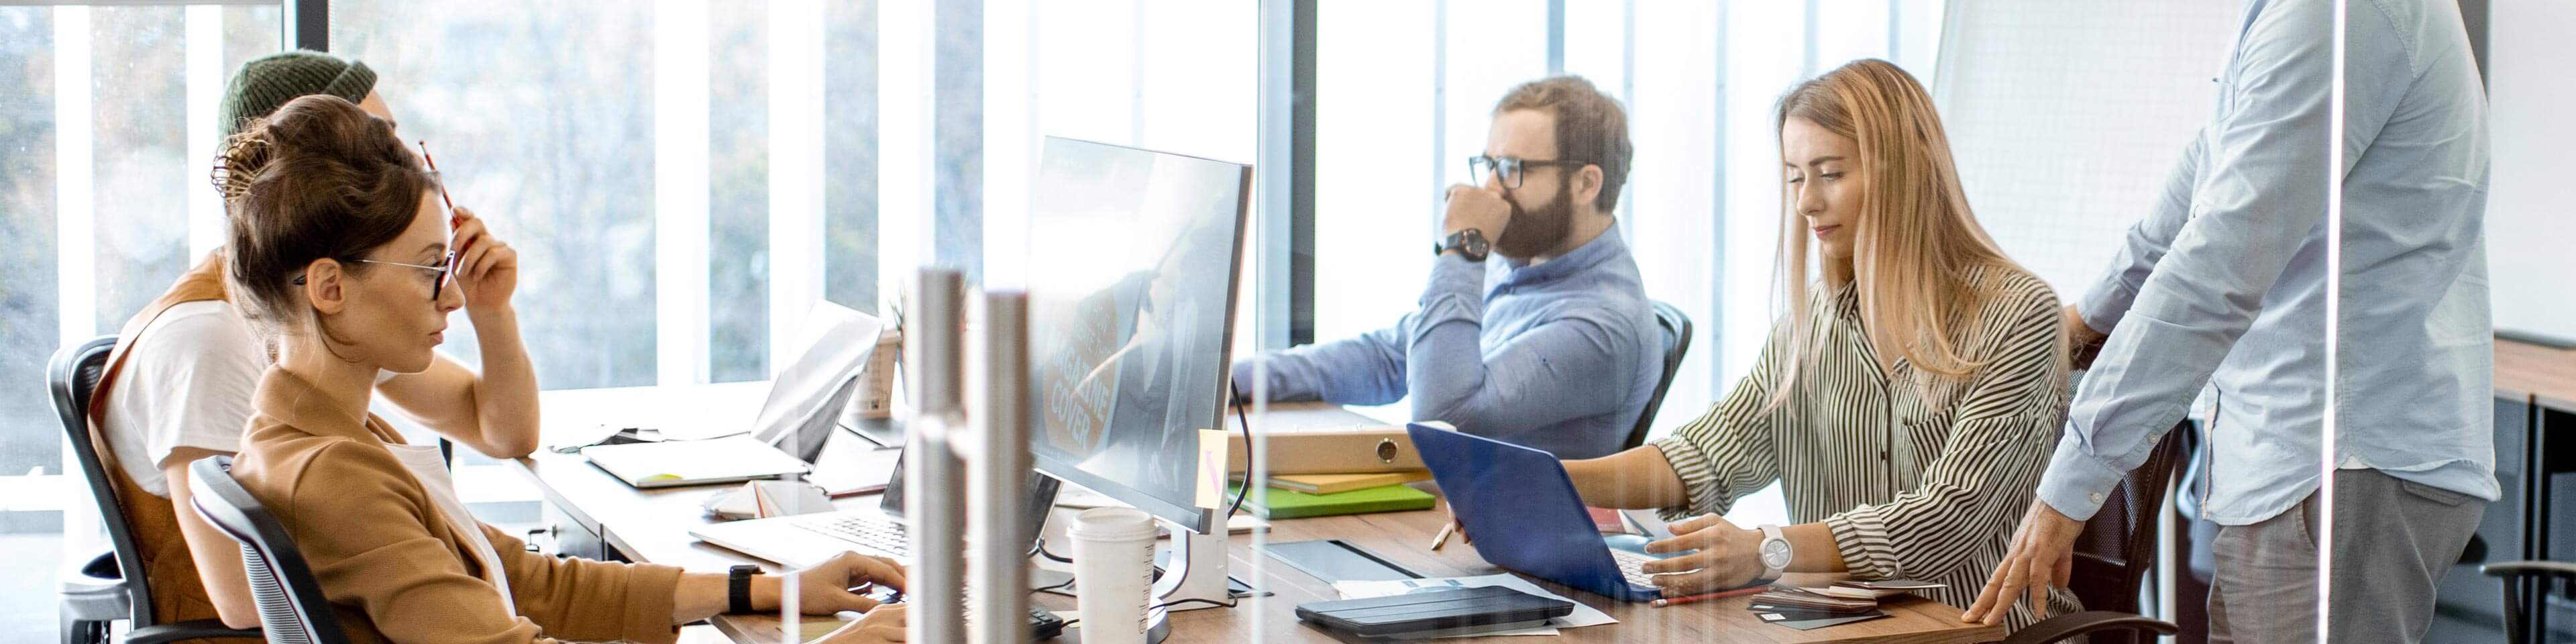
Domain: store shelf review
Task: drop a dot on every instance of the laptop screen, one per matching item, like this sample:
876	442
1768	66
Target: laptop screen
1041	498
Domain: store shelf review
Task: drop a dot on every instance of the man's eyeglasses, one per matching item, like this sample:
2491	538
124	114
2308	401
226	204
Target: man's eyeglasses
1509	168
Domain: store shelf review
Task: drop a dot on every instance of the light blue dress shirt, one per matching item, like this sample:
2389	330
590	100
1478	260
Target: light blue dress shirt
1559	356
2224	282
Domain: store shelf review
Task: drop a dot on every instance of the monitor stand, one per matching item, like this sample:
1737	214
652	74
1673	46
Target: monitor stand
1196	574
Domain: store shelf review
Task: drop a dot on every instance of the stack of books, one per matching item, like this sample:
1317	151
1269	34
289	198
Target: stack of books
1296	496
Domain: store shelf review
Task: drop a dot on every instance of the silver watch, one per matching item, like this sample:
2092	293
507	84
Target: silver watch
1775	554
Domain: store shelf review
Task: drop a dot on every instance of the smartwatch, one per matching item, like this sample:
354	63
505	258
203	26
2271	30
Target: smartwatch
738	589
1470	243
1775	554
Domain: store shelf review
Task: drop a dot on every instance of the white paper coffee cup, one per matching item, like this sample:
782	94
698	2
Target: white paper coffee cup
1113	560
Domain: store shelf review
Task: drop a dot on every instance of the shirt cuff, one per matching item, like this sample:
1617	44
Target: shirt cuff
650	592
1861	534
2105	303
2075	480
1698	483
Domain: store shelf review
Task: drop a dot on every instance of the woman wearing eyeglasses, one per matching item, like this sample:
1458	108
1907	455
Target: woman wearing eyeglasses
1908	398
337	243
178	387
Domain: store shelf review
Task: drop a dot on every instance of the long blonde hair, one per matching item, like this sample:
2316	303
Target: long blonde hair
1917	243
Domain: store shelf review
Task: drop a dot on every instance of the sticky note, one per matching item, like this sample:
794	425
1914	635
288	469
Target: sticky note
1211	467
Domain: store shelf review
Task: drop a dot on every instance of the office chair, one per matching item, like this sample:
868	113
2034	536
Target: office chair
96	592
291	605
2113	555
1677	337
2517	575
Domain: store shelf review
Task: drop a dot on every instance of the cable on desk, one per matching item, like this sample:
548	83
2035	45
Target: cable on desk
1192	600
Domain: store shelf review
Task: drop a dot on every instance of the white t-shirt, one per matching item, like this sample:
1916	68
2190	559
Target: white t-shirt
187	382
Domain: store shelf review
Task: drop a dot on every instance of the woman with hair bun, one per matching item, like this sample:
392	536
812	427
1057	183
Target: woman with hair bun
339	253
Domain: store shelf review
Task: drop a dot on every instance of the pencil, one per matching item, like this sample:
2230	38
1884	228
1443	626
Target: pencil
1442	539
1739	592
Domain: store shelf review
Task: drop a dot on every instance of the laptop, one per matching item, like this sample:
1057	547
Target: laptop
1527	518
795	420
803	540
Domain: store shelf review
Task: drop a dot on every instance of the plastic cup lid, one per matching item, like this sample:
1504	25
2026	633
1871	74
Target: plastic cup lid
1113	524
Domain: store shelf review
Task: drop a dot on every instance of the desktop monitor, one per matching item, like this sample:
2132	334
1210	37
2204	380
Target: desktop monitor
1132	271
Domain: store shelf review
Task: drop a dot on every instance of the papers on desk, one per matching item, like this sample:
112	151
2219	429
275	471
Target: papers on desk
1583	615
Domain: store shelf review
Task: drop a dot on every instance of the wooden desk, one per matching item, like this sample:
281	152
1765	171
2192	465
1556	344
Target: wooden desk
2545	375
2535	387
652	525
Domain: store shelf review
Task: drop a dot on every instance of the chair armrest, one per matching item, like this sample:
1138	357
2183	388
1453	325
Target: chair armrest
188	630
2523	568
97	569
2074	624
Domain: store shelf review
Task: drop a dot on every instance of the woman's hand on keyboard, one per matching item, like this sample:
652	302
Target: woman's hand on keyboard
1727	557
881	625
825	588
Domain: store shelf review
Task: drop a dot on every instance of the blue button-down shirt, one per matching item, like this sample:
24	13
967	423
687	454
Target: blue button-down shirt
2224	282
1560	355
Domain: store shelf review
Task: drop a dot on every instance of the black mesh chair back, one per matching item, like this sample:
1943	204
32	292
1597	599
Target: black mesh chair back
2113	555
292	608
1677	337
71	377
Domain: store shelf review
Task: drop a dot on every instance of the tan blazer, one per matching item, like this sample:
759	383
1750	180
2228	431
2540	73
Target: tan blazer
390	560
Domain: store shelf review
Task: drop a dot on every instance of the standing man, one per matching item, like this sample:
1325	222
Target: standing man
1560	354
2225	282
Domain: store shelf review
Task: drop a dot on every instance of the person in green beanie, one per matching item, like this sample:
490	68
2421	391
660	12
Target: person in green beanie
267	82
179	386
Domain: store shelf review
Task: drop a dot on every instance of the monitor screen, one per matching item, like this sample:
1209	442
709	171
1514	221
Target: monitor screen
1132	265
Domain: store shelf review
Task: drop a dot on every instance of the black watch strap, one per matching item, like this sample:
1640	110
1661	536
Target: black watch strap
1470	244
738	589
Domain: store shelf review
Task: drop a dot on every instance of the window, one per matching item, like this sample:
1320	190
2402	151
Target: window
106	133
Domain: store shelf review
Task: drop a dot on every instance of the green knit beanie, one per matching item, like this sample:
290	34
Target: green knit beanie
268	82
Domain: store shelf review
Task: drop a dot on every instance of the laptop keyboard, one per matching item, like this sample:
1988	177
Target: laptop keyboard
873	532
1633	566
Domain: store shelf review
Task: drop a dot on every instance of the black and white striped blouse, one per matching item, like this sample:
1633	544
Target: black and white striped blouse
1922	477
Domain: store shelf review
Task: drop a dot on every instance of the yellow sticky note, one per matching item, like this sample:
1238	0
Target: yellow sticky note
1211	466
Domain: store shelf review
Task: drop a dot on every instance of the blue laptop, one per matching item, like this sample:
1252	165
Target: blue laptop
1526	517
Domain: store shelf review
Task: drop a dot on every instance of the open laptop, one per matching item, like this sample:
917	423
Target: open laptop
795	420
1527	518
807	539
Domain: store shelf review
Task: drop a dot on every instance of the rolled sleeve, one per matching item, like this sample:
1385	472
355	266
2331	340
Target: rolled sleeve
1698	485
1861	534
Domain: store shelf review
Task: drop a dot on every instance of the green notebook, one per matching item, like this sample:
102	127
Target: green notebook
1273	503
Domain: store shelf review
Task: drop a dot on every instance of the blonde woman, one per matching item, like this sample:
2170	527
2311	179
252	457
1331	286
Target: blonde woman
1907	400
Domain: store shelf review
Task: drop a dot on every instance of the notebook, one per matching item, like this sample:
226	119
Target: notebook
1336	483
731	459
1276	504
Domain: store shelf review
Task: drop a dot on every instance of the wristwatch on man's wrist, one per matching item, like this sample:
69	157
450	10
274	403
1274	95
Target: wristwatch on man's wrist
1775	554
1470	243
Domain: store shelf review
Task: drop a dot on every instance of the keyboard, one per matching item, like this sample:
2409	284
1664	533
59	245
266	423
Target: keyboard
874	532
1633	566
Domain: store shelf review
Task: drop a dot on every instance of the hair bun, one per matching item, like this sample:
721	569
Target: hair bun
245	152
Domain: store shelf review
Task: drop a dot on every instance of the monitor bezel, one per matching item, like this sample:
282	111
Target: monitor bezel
1184	515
